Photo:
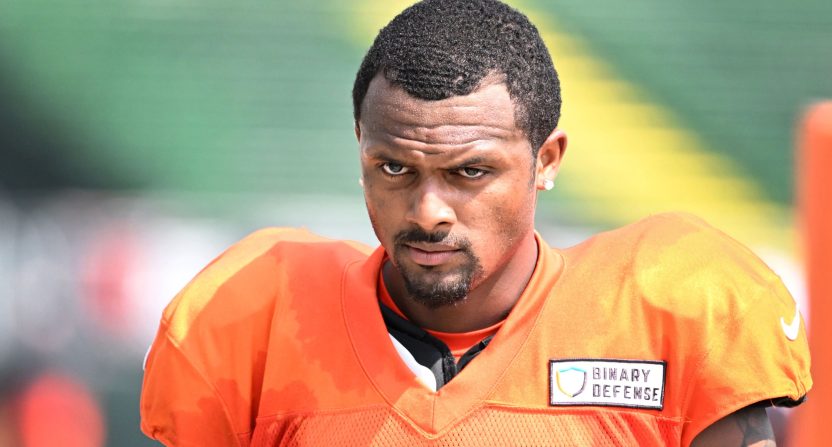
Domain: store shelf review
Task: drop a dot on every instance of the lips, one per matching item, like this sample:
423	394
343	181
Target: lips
430	255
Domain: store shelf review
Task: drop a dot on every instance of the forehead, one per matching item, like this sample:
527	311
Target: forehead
391	115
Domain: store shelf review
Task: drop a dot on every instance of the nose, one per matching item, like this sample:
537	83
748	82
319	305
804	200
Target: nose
430	208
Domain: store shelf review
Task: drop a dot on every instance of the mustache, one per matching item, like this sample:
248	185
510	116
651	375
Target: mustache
437	237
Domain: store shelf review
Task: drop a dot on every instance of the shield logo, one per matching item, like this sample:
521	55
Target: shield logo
571	381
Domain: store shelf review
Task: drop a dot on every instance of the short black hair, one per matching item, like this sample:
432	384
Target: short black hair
436	49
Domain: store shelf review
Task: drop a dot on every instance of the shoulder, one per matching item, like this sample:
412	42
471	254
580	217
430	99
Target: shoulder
679	233
680	265
679	253
675	246
245	279
719	317
211	347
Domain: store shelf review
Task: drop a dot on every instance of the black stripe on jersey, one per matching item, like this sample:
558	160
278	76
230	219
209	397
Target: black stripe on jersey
428	350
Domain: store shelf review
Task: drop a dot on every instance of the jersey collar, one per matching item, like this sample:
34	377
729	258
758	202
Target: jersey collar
429	411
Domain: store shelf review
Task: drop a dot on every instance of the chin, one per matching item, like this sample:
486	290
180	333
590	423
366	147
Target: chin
437	289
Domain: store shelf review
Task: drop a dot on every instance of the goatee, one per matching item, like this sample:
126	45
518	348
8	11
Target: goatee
426	284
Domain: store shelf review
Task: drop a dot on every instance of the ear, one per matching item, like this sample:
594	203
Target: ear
549	158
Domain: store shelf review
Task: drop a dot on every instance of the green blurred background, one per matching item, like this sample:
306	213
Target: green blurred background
138	138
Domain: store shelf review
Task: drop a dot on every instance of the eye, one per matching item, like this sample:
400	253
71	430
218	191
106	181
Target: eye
394	169
472	173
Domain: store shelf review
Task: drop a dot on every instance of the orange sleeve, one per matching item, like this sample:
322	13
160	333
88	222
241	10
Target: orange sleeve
749	358
178	405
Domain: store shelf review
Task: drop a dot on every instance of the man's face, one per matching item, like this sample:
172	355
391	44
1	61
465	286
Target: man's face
449	186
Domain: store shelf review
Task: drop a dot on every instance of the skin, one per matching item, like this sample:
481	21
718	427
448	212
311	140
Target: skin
461	168
749	427
458	167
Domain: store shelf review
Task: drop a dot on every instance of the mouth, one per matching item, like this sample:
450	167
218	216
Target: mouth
430	255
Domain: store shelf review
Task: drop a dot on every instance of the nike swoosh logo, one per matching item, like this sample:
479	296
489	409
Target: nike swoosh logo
792	329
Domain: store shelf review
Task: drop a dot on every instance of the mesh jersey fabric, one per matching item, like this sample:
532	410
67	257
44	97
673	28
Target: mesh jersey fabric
489	426
280	341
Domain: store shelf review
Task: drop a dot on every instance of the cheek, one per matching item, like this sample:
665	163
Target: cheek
509	210
376	217
381	214
504	221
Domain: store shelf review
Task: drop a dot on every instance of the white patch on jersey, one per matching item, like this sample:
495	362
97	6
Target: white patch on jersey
792	330
607	382
423	373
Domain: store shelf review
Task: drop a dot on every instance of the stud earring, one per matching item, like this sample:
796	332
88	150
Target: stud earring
361	181
548	184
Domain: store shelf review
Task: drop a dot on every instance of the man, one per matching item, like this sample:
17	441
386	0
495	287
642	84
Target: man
464	327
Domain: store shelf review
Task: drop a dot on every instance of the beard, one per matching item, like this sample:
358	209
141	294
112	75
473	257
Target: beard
429	285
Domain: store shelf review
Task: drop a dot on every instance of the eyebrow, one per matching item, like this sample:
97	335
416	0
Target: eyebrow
378	154
475	160
389	152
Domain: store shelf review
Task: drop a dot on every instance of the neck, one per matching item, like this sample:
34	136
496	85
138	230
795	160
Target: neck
488	302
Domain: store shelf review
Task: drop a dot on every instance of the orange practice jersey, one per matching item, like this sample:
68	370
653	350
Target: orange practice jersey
640	336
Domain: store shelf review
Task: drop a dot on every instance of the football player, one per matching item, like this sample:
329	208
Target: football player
464	328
